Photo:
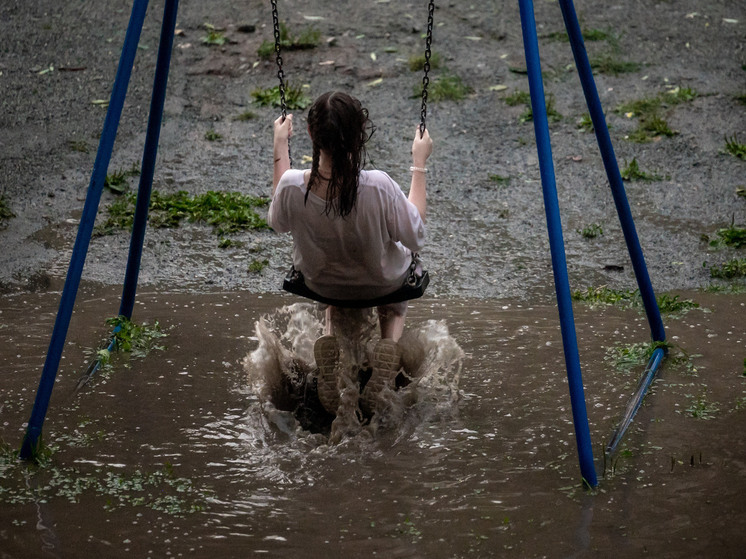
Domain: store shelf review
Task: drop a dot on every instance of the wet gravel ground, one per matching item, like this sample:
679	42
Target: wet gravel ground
487	238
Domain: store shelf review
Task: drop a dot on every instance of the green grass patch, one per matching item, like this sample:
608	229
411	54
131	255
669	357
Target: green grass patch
518	98
136	339
552	114
732	269
245	116
446	87
632	172
734	147
650	127
626	298
700	408
586	123
214	37
741	98
668	304
116	181
524	98
604	295
648	112
499	179
256	266
5	212
730	236
43	481
609	64
308	38
591	231
294	97
226	212
417	62
212	136
626	357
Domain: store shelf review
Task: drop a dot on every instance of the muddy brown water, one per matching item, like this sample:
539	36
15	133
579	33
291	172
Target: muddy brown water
176	454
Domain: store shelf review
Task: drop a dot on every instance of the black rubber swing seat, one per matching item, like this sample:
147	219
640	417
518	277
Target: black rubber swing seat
413	288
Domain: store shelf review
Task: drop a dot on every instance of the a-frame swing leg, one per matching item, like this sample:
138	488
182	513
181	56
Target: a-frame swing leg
85	229
619	194
556	244
93	198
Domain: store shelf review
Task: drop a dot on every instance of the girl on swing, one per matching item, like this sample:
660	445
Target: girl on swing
353	230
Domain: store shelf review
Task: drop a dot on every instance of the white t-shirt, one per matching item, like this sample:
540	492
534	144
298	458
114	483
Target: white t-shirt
362	256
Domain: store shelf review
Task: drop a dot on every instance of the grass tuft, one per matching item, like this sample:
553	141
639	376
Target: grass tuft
632	172
226	212
294	97
591	231
417	62
608	64
447	87
308	38
734	147
734	268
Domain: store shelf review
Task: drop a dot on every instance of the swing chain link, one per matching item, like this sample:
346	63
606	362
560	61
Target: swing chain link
426	66
280	71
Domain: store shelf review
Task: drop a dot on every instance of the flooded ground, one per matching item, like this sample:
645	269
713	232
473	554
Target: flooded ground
181	454
175	455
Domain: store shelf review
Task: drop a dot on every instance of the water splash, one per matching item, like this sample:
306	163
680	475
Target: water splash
281	374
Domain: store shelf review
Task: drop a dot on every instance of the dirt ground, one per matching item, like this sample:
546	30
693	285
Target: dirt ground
487	238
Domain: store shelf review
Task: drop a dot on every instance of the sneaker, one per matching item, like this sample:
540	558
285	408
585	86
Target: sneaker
326	353
385	363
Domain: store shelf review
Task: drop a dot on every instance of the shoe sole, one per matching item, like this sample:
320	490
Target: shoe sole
386	363
326	353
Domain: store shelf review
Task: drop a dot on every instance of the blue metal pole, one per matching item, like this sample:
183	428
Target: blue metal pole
556	243
85	229
148	160
636	401
612	170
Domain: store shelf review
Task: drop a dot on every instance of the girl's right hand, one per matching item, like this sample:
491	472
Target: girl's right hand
283	128
422	147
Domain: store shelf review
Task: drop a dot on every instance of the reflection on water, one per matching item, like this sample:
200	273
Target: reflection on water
189	453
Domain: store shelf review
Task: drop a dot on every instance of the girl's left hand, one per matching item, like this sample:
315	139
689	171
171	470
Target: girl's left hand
283	128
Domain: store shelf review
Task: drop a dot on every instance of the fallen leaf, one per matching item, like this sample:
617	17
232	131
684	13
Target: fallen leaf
729	20
473	38
498	87
326	63
306	159
373	56
375	82
629	114
691	15
314	18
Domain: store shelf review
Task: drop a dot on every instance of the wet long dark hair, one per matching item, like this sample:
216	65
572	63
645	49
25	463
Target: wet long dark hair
339	125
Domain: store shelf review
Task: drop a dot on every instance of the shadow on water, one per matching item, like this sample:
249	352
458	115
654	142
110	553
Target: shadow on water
198	449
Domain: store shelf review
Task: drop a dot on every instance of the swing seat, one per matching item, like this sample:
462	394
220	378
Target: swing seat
413	288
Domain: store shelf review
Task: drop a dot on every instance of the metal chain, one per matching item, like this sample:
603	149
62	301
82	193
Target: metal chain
280	72
426	66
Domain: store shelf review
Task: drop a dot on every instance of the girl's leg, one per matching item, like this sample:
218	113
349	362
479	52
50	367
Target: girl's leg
391	319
